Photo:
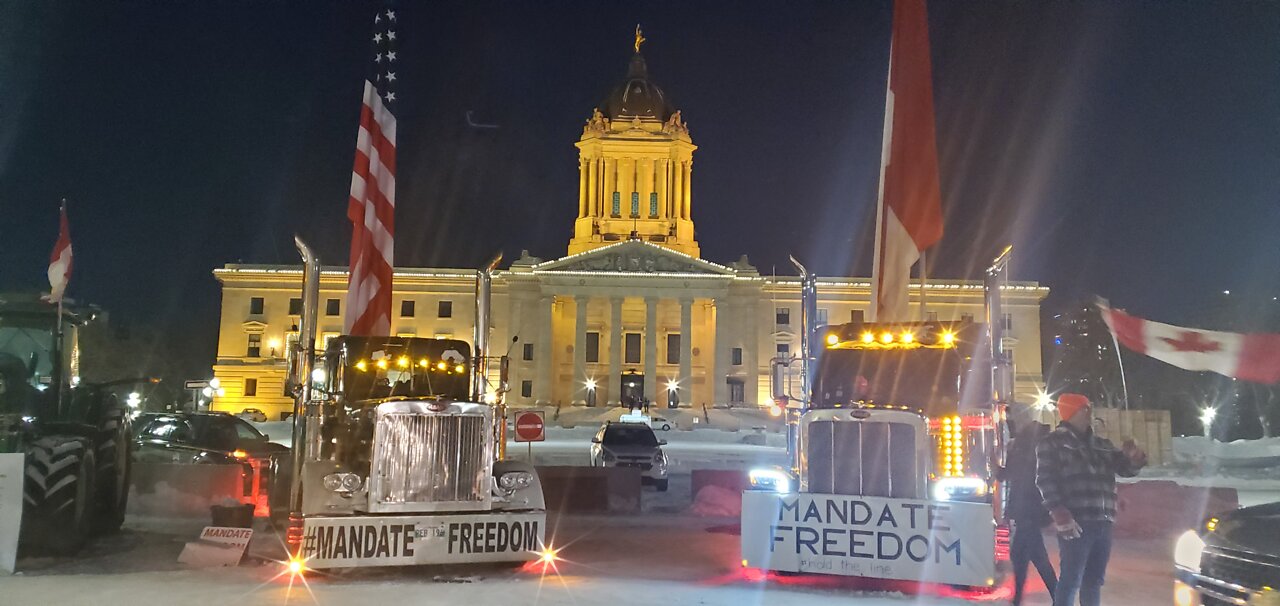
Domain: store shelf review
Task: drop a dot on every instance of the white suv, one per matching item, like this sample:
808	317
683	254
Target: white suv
631	445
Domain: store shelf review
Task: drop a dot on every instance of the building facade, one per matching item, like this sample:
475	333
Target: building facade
631	312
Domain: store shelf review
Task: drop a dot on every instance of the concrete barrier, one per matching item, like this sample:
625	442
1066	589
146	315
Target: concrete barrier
591	489
1158	508
734	480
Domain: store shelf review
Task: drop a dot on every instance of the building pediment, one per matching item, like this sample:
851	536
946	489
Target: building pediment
633	257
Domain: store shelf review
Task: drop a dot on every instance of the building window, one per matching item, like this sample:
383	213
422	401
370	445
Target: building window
784	350
783	316
290	348
526	389
635	205
1008	322
445	309
528	351
632	355
255	346
250	388
931	316
326	338
295	306
857	316
653	205
407	307
736	356
673	348
593	347
737	391
822	315
617	204
255	306
332	307
966	317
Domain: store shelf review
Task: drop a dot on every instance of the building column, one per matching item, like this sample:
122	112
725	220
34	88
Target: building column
542	361
751	351
686	352
688	190
677	189
593	187
720	389
664	200
613	385
650	348
582	187
577	387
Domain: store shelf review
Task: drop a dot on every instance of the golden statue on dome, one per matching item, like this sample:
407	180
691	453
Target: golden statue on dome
639	38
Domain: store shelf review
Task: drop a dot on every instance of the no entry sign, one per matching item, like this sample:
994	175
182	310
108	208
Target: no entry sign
530	427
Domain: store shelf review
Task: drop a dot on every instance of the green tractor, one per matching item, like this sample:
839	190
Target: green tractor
75	436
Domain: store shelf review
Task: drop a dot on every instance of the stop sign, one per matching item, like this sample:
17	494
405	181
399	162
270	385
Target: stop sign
529	426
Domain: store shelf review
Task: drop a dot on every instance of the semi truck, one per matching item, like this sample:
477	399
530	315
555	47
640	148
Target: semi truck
73	436
895	433
399	447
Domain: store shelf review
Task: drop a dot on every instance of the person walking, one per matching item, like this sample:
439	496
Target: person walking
1025	511
1076	473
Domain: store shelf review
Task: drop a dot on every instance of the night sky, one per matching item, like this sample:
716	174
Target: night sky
1129	150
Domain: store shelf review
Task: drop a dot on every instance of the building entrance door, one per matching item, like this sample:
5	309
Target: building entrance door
632	390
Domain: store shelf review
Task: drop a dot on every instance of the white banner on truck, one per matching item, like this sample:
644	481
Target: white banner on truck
929	541
343	542
10	509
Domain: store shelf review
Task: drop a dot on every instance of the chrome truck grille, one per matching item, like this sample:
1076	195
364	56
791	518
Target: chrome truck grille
431	460
867	458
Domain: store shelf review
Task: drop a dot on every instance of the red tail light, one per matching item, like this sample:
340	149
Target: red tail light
1002	543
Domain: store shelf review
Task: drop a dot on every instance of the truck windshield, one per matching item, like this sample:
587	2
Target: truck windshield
383	367
937	381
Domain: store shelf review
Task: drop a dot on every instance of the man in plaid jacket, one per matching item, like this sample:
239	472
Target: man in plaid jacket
1076	474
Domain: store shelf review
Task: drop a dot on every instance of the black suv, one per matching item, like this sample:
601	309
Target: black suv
206	437
631	445
1233	558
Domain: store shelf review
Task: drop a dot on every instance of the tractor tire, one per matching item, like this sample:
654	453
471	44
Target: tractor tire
114	457
58	495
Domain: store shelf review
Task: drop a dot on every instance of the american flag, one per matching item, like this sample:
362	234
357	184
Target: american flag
372	204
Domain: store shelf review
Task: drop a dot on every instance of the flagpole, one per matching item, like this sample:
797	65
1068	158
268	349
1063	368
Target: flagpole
886	145
924	277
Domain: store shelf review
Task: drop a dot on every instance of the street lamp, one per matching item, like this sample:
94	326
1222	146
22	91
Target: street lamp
591	391
1043	401
1207	415
673	393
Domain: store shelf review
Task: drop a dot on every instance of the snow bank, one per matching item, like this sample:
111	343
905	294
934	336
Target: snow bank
716	501
1240	453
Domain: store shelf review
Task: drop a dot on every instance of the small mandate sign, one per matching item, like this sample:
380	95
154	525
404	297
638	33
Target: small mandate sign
11	478
907	539
530	426
217	546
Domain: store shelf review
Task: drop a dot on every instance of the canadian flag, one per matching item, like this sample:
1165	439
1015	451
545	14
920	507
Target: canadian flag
60	260
909	212
1250	357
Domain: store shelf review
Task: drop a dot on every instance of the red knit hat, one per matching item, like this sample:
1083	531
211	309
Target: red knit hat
1071	403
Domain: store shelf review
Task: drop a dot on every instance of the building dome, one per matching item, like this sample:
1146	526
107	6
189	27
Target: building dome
637	96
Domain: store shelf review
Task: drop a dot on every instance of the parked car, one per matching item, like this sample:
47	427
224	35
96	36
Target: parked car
662	424
631	445
207	438
1233	558
253	415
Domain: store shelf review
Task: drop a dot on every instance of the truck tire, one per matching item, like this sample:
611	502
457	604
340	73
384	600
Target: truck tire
57	495
114	470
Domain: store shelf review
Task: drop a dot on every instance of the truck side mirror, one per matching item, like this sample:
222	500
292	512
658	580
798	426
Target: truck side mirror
504	370
778	380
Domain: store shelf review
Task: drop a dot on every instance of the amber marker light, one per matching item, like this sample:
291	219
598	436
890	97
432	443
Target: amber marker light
403	362
459	368
886	337
424	363
907	337
833	339
868	337
362	366
948	337
441	365
382	364
239	454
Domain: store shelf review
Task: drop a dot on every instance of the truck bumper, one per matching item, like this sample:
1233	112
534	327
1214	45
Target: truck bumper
453	538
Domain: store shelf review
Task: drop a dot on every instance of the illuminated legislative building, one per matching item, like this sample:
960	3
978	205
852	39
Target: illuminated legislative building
632	307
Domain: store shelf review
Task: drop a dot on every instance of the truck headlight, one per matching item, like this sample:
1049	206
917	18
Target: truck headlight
515	480
342	482
775	480
1186	552
958	489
